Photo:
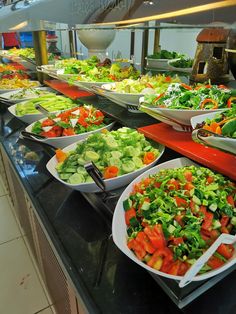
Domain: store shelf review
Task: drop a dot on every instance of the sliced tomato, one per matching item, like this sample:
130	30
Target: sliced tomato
188	176
224	221
156	236
177	241
165	254
68	132
173	184
157	184
183	268
82	121
145	242
224	230
215	262
226	250
49	134
147	181
230	200
137	248
174	268
180	202
48	122
208	219
210	179
129	214
179	219
188	186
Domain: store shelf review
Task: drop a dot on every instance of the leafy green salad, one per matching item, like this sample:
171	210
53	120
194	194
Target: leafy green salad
93	70
182	96
173	217
145	84
165	54
115	153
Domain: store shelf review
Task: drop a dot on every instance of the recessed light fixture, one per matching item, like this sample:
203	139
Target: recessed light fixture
147	2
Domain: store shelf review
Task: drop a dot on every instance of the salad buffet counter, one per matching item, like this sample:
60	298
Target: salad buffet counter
70	235
80	169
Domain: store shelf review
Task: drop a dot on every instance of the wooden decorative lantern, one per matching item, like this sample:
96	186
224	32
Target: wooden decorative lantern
210	62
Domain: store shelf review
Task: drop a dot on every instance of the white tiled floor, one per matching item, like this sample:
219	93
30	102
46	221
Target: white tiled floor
21	291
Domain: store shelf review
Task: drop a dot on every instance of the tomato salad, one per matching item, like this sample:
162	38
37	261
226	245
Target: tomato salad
71	122
172	217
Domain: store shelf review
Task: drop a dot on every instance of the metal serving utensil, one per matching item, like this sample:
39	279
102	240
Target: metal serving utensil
97	176
159	116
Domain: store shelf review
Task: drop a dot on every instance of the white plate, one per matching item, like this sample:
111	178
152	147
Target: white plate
7	96
28	118
63	141
183	116
224	143
119	228
111	184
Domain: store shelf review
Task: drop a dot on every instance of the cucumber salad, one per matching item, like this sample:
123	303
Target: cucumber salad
182	96
172	218
115	153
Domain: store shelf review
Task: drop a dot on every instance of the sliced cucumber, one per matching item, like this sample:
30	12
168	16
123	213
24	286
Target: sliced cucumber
129	166
138	162
81	161
76	178
90	155
82	171
64	176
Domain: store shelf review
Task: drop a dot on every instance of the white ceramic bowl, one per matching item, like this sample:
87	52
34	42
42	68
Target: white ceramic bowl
223	143
28	118
63	141
111	184
182	116
175	69
7	96
119	228
161	64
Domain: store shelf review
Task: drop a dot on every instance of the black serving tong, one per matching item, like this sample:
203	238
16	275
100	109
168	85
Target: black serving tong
97	176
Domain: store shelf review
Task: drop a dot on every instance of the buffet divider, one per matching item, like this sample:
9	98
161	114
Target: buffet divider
68	90
182	143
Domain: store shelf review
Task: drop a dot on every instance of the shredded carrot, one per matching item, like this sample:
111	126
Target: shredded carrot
148	158
111	172
60	155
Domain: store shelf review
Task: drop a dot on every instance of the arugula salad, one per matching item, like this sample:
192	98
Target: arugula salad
71	122
145	84
115	153
223	123
93	70
165	54
172	218
182	96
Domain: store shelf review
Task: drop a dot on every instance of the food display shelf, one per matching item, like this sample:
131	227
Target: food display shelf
182	143
70	91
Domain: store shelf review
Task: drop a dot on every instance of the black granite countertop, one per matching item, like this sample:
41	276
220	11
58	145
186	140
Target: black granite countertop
79	227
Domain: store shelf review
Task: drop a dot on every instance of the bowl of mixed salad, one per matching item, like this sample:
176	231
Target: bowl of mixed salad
181	64
159	60
171	214
25	94
84	73
26	111
69	126
120	156
181	102
128	91
216	129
